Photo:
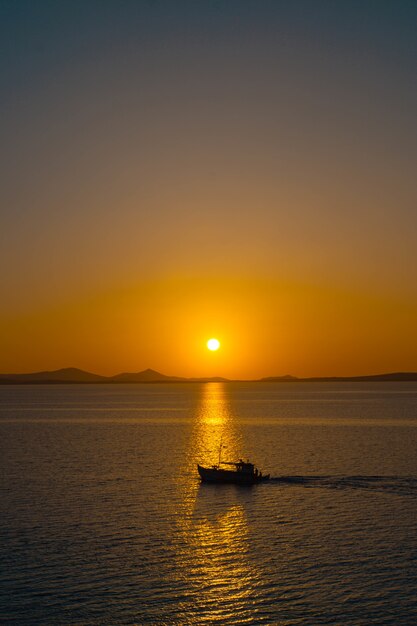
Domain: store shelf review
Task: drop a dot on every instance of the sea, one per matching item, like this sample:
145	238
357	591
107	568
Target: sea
104	521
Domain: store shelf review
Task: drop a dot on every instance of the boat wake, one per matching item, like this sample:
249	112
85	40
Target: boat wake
401	485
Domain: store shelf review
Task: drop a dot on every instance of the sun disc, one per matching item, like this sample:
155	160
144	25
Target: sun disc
213	344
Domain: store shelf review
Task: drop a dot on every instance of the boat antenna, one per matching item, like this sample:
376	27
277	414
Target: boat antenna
220	448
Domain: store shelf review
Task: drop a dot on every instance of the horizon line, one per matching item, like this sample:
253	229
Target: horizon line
77	376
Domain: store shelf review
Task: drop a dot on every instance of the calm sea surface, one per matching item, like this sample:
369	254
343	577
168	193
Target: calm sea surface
103	519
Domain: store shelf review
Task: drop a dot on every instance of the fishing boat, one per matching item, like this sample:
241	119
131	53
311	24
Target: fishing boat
243	473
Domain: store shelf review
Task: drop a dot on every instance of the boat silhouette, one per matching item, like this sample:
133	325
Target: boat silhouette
243	472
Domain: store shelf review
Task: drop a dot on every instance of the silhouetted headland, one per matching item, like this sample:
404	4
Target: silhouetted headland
72	375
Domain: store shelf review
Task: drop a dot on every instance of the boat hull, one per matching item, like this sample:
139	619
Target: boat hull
216	475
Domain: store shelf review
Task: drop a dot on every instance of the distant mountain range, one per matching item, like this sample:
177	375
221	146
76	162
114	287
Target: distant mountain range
74	375
393	376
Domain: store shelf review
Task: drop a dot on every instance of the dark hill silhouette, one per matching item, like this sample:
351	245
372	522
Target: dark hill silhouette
73	375
393	376
147	376
65	375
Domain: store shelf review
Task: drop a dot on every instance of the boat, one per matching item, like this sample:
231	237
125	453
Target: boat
243	473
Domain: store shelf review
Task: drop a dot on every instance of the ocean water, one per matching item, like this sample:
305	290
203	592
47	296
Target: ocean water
103	519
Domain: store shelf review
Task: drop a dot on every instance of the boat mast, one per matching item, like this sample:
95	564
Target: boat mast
220	449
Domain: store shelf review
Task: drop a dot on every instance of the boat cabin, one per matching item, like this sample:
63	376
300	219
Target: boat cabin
242	467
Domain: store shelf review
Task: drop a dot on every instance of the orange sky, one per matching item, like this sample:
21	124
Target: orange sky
218	170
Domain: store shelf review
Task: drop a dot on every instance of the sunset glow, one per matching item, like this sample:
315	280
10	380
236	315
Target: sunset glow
168	171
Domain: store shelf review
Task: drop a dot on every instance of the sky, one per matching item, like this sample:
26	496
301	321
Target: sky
175	171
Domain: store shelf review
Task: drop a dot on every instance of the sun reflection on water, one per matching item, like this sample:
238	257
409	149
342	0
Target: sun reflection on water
215	425
213	531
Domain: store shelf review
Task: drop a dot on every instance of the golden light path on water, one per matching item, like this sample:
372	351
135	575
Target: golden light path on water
215	558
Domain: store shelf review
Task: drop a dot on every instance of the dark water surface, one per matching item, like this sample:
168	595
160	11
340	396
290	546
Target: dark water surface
104	521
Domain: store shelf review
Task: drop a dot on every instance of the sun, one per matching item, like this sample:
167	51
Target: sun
213	344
